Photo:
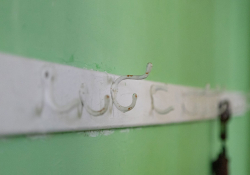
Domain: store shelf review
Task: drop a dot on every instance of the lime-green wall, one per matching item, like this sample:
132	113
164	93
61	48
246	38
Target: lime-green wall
190	42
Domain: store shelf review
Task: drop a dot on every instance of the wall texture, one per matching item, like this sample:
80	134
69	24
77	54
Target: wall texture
190	42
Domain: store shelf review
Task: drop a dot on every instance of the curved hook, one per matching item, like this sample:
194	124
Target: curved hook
114	89
195	94
187	111
203	92
94	112
48	77
153	90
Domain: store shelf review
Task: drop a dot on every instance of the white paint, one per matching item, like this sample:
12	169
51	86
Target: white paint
92	133
107	132
22	90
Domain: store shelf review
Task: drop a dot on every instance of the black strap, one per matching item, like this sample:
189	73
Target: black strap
220	165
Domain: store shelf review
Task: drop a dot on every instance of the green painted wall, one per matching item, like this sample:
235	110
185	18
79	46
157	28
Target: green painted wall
190	42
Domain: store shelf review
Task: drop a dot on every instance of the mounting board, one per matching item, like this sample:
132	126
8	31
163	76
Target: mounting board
21	93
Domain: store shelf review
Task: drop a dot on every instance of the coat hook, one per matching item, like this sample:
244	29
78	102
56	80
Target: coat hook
91	111
114	89
153	90
196	94
48	77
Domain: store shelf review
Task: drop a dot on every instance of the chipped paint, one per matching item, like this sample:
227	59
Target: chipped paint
97	133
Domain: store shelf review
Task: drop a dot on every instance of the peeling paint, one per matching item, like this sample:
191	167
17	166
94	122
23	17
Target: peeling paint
97	133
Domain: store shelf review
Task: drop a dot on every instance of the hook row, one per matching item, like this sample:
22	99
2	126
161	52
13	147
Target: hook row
48	76
80	103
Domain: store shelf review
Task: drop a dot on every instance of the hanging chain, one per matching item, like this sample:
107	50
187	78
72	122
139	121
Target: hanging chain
220	166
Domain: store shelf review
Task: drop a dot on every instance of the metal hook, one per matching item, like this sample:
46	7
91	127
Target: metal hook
48	77
153	90
91	111
224	109
114	89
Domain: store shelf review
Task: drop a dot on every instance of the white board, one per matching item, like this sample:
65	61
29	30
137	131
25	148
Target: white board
21	93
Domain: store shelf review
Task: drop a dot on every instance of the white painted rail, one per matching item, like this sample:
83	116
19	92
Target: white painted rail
25	110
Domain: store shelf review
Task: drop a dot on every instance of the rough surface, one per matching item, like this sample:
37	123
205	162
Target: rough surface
189	42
